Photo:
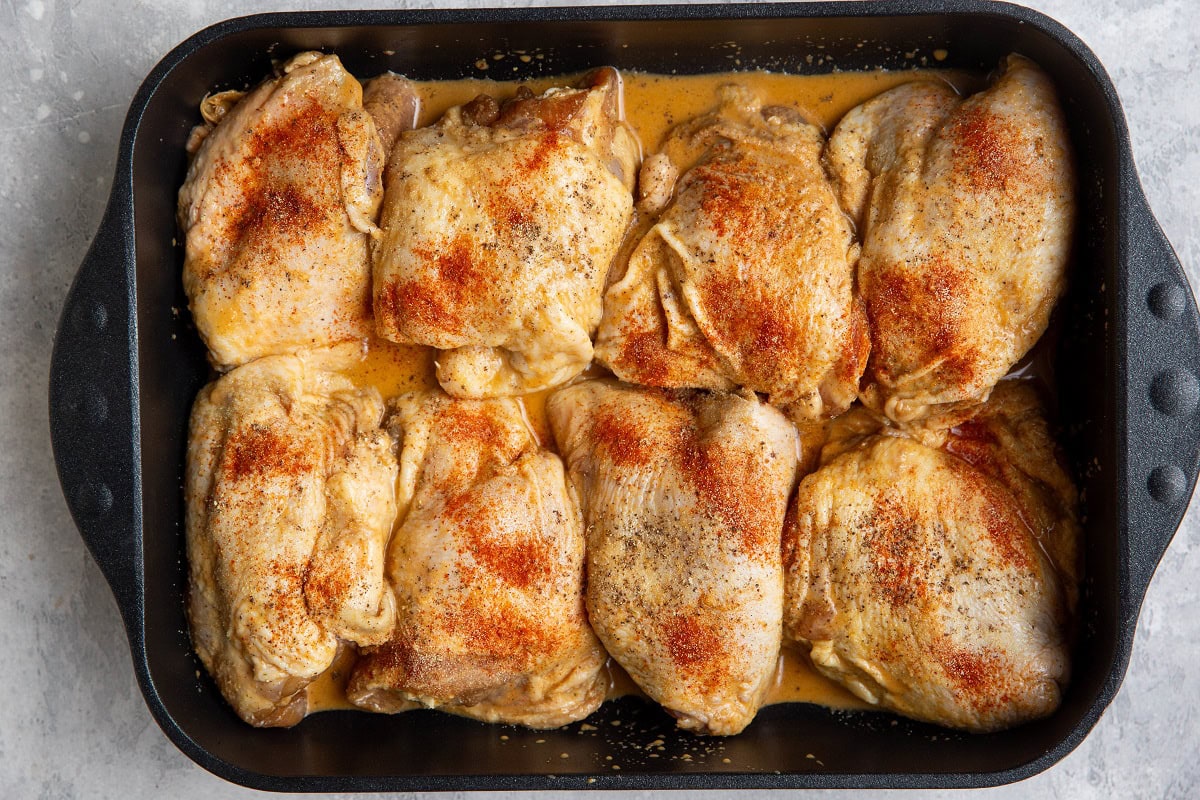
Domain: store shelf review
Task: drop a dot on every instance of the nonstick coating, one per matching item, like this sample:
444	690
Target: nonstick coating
127	364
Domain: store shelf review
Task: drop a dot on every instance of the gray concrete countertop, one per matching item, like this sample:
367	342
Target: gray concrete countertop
72	721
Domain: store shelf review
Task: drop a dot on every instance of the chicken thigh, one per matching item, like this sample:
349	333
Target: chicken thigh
684	497
277	211
487	566
966	211
290	502
395	106
499	226
746	278
937	578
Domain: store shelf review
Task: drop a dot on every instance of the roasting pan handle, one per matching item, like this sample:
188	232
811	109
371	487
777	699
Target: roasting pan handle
1163	374
93	416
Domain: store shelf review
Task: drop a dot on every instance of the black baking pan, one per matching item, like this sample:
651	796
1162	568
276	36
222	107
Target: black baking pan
127	364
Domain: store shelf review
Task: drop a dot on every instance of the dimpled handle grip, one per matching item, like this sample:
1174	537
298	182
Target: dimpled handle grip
93	407
1163	390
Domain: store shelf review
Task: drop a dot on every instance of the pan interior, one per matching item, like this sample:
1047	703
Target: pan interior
625	736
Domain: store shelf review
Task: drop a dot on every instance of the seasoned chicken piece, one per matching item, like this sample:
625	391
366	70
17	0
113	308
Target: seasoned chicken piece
966	210
684	496
277	209
938	579
746	278
394	104
487	567
290	502
499	225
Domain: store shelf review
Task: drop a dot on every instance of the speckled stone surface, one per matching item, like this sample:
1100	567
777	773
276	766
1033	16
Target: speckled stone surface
72	722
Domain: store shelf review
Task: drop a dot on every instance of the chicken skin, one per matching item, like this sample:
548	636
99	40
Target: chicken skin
394	105
746	278
499	226
277	211
290	501
684	497
966	211
487	568
937	578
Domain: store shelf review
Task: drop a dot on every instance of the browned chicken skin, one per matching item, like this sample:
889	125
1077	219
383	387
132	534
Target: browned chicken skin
746	278
937	577
499	226
487	567
684	497
394	105
966	210
277	210
290	503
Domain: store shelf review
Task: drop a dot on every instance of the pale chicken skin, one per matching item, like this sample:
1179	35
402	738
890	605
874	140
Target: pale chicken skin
289	505
746	278
487	567
684	496
966	210
938	579
499	227
277	211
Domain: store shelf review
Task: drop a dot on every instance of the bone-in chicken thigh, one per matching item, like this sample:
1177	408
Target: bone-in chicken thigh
394	105
937	577
684	497
966	210
499	226
487	567
277	211
746	278
290	497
